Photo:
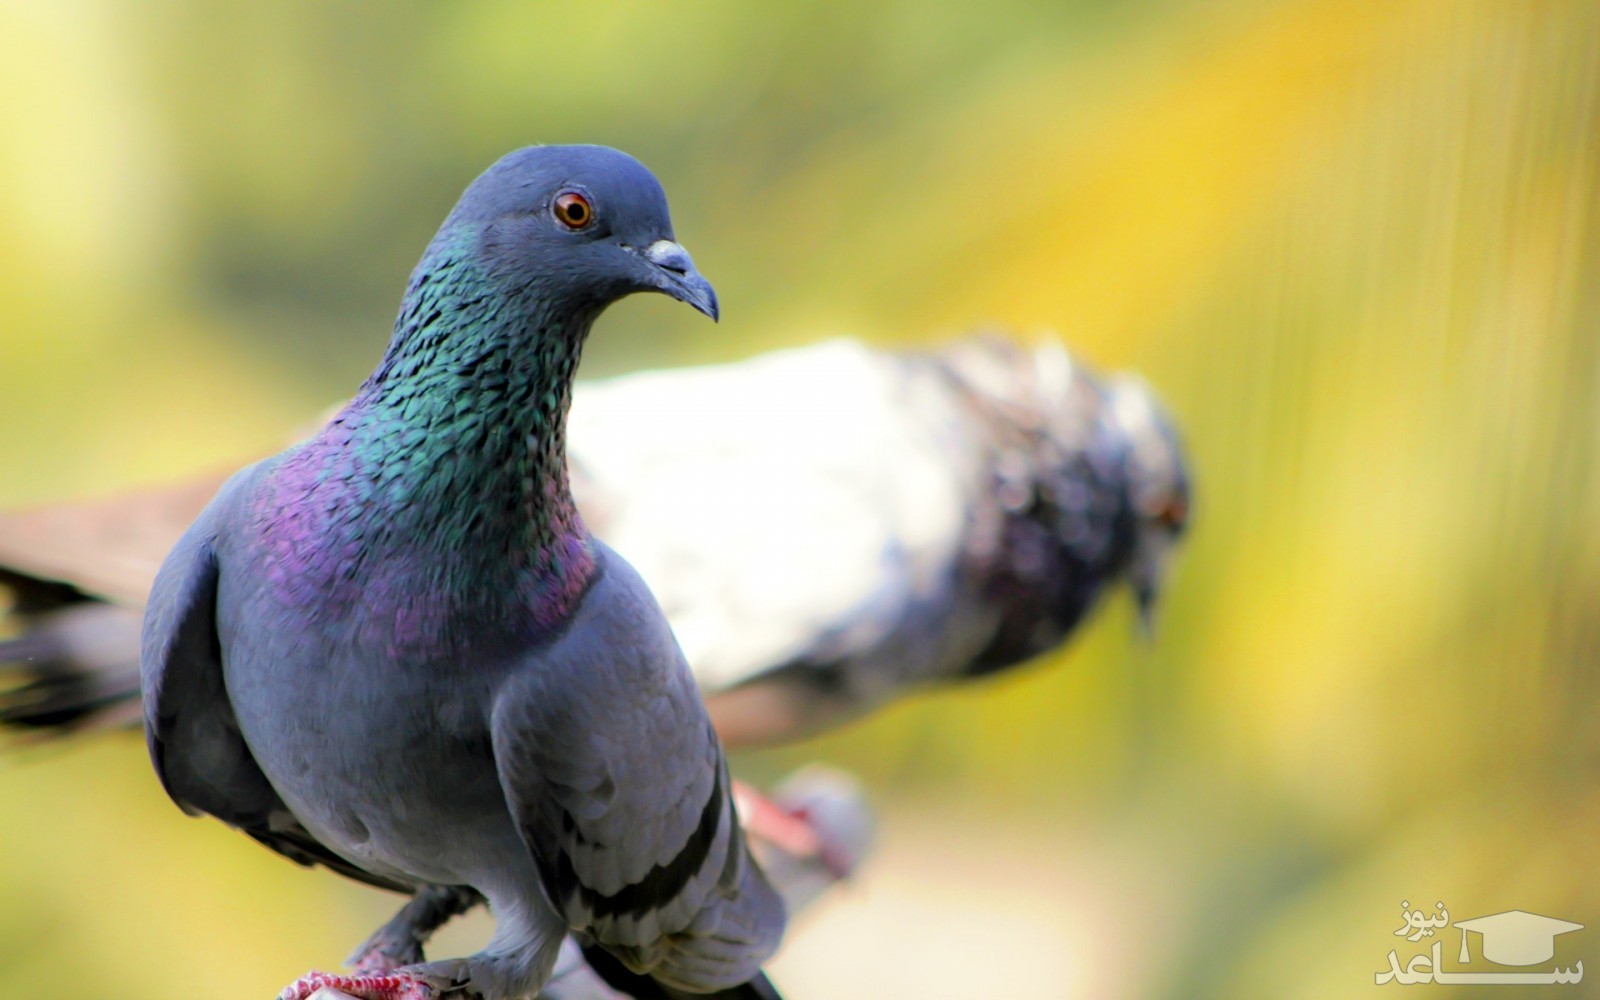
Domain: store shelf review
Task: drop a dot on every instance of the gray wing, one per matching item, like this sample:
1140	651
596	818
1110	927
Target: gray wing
194	739
620	789
833	804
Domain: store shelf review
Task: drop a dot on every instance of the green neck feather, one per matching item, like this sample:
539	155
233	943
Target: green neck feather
461	431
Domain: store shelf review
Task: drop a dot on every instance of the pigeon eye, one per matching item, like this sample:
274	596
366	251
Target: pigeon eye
572	210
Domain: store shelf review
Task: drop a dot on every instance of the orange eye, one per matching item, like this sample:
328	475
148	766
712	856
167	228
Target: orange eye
572	210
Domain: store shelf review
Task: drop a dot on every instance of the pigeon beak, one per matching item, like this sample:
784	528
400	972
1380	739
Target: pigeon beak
678	278
1145	577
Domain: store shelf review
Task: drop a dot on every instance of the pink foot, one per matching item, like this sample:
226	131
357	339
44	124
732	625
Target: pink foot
398	986
790	832
375	961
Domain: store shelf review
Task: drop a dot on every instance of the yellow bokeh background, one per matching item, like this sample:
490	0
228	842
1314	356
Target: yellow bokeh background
1354	244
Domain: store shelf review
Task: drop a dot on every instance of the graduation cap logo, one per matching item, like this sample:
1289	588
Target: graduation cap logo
1515	937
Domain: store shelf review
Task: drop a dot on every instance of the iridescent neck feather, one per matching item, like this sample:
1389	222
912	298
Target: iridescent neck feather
442	486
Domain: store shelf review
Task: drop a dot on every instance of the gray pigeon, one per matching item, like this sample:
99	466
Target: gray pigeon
945	515
396	650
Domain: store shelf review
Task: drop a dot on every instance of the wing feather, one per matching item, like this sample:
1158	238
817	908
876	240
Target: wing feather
619	786
194	739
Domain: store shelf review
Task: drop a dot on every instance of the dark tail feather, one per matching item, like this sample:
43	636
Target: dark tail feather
74	668
639	987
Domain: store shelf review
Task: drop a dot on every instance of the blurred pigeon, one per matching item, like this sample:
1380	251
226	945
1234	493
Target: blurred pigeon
931	517
395	650
927	517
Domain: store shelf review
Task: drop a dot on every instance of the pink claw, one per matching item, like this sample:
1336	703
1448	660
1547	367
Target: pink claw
398	986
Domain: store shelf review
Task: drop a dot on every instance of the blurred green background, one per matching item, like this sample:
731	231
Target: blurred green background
1356	246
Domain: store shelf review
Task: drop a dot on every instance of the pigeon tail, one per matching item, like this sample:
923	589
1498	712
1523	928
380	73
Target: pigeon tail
75	668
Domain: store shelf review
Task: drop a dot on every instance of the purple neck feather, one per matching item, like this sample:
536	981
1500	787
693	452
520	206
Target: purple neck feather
436	504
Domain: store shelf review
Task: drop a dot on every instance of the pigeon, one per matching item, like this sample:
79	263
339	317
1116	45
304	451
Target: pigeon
395	649
932	517
948	514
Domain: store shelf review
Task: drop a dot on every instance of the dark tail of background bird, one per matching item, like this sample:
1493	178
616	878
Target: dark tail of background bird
71	667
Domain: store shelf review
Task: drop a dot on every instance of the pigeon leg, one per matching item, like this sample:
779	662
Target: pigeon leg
790	831
399	942
517	962
518	959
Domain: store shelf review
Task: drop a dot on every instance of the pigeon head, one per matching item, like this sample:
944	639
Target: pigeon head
1158	486
456	443
577	227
